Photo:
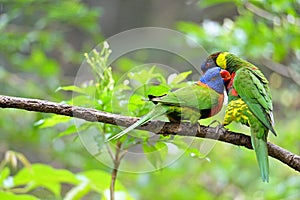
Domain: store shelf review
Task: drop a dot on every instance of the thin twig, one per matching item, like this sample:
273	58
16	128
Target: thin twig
270	16
159	127
281	69
114	172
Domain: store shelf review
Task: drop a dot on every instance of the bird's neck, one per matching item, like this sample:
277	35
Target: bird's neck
216	86
234	63
231	92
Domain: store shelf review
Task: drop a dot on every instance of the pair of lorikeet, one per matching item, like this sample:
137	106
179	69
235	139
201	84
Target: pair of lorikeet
249	101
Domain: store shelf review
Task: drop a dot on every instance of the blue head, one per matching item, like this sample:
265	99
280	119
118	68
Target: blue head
210	62
213	79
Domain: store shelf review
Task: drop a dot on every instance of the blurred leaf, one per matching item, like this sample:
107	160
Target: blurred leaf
44	176
4	173
38	61
180	77
100	180
80	190
158	90
156	154
10	196
163	149
192	29
71	129
135	102
71	88
75	129
145	76
186	146
52	121
208	3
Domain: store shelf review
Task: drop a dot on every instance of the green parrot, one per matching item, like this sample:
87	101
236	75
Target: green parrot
249	102
200	100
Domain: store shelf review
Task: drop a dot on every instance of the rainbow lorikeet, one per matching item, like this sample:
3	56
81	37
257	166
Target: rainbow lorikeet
200	100
249	102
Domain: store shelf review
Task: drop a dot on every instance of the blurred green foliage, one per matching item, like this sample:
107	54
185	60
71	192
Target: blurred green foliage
267	29
37	37
40	180
43	41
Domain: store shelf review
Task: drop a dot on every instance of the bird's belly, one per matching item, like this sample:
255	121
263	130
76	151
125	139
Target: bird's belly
237	110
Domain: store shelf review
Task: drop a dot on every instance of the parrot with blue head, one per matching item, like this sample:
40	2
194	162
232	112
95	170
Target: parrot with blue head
200	100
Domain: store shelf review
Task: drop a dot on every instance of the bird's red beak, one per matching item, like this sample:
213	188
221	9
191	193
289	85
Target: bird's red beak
225	75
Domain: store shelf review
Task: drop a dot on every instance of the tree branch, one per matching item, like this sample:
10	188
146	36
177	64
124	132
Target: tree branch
183	129
281	69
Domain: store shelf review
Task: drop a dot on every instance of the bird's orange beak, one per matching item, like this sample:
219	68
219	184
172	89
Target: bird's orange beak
225	75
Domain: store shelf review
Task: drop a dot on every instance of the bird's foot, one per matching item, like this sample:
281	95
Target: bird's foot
219	127
198	126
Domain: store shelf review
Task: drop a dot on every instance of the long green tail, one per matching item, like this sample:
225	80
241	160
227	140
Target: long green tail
157	111
261	150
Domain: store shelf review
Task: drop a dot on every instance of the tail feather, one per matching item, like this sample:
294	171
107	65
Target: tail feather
261	150
157	111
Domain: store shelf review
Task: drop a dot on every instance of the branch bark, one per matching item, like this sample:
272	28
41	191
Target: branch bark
159	127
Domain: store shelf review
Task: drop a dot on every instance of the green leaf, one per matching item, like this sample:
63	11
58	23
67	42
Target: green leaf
100	180
80	190
81	100
39	58
145	76
163	149
71	88
156	154
191	29
208	3
158	90
10	196
52	121
68	131
44	176
135	102
74	129
180	77
3	175
190	150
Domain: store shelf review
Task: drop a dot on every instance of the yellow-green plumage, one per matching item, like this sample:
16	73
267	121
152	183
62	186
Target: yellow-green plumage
237	110
250	102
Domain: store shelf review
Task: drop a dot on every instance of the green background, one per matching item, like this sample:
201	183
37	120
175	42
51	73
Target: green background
42	44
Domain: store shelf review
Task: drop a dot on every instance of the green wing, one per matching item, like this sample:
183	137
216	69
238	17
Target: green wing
193	96
252	87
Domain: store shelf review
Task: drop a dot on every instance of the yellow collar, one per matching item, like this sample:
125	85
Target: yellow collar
221	60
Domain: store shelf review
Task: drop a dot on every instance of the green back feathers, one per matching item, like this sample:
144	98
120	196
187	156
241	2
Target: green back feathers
251	85
193	96
256	95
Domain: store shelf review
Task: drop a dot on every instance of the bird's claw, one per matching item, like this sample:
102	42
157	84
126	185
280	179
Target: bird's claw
220	126
198	126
